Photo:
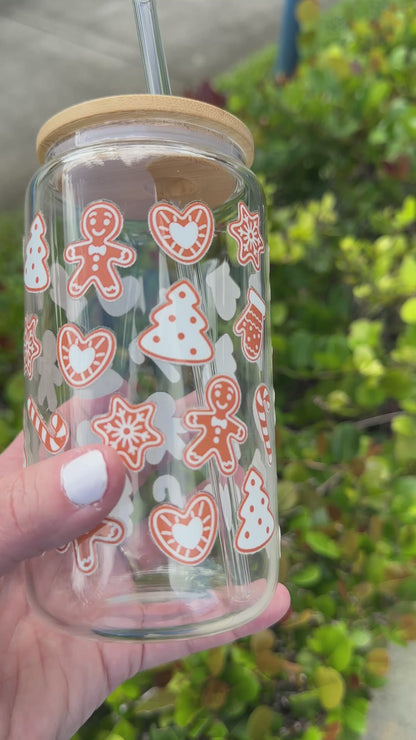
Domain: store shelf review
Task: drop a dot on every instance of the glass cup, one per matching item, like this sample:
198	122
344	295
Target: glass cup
147	329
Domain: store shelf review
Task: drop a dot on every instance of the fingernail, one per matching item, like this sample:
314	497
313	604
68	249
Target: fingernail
84	479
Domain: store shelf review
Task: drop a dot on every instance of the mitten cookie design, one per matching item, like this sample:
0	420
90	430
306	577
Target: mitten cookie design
250	326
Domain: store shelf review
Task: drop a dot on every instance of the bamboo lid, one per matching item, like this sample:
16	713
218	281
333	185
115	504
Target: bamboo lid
139	108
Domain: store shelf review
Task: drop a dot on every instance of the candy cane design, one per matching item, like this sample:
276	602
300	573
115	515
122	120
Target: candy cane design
53	437
261	407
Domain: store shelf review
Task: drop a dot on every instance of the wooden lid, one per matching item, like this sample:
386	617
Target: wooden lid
139	108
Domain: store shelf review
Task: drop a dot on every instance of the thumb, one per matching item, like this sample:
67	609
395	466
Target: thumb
49	504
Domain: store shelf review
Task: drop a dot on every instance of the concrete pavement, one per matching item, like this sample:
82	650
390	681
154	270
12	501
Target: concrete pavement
55	54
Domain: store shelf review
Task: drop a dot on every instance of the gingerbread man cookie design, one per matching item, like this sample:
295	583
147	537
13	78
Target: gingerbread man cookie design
217	426
98	254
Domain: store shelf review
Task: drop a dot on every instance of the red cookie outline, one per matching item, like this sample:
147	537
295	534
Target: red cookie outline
168	515
120	429
154	323
93	340
109	532
240	325
163	215
252	471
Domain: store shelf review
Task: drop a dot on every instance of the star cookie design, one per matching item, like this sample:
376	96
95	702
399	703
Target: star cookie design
32	347
129	430
246	232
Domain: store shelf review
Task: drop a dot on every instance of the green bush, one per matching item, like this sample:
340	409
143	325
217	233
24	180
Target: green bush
11	326
335	149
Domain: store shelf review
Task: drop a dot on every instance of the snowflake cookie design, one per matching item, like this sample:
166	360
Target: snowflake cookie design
98	254
217	426
32	348
129	430
246	232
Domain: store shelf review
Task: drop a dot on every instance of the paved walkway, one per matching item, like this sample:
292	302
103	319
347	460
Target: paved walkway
54	54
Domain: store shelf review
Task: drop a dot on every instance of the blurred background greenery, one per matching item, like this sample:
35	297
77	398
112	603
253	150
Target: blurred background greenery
335	151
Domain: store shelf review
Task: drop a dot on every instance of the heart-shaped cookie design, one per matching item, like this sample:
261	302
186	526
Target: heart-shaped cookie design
82	359
183	235
186	536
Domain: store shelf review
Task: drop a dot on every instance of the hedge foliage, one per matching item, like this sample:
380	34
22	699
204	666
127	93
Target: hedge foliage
335	149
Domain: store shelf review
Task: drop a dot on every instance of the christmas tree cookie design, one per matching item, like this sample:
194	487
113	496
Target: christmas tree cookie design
178	330
257	522
36	271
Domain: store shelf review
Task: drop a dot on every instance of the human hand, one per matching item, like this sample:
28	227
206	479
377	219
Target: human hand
50	681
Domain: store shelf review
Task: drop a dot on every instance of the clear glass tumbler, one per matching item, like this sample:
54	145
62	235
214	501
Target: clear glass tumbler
147	329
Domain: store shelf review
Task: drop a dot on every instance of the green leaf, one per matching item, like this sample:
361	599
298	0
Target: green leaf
354	714
301	346
260	722
344	442
308	576
312	733
331	687
404	425
323	545
154	700
408	311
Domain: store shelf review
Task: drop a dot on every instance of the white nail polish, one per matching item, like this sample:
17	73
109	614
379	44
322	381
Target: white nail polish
85	479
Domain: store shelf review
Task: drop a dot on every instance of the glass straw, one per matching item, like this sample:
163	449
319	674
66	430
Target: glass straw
157	83
151	47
